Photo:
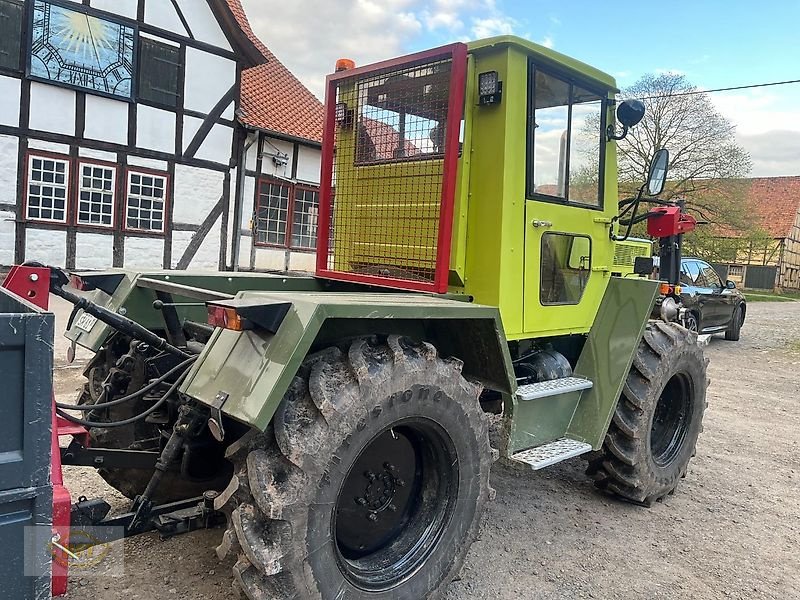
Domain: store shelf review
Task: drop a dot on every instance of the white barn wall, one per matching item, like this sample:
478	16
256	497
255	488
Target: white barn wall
9	101
125	8
46	246
208	78
140	251
162	14
9	148
268	167
97	154
147	163
155	129
109	120
309	161
203	24
93	250
34	144
197	192
7	233
52	109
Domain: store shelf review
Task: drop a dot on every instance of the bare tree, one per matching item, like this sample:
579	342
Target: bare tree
706	163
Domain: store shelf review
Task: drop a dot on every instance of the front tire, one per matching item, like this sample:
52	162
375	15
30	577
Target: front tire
658	418
370	483
734	331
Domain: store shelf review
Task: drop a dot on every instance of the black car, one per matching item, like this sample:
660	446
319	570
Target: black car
712	306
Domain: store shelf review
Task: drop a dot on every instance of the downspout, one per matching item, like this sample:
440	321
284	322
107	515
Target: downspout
241	175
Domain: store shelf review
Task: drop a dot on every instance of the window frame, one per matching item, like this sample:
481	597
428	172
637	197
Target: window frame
290	210
567	267
68	161
181	65
530	145
20	68
79	163
127	172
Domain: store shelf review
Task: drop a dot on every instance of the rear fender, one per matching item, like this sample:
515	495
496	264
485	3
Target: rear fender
250	371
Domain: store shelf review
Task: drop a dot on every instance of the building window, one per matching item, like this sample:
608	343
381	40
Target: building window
305	218
10	34
281	203
48	181
159	71
146	202
96	195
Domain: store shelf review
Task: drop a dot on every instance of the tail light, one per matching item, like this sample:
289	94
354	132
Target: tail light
226	318
668	290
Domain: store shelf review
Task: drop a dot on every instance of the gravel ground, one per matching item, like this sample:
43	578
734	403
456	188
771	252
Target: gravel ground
731	531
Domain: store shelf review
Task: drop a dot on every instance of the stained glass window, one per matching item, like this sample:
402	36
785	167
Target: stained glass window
71	47
48	180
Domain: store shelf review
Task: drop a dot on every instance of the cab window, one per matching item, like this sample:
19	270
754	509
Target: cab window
566	265
565	125
710	276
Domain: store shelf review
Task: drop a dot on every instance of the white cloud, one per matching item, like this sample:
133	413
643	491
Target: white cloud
492	26
547	42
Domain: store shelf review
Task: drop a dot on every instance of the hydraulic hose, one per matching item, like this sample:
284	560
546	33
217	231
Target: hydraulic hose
133	396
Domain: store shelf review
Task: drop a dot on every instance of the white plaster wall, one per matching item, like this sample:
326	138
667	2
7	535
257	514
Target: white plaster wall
48	247
244	252
308	165
217	146
303	261
9	101
34	144
248	202
9	148
106	120
197	191
147	163
155	129
52	109
270	149
97	154
162	14
203	24
190	127
143	252
252	154
208	78
207	256
94	251
7	238
126	8
272	259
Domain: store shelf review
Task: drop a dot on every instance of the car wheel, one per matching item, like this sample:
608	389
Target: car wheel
734	330
691	322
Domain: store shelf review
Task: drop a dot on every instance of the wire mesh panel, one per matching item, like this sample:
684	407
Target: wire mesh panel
390	157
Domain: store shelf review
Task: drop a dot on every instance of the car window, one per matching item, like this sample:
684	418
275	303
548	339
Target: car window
692	273
710	276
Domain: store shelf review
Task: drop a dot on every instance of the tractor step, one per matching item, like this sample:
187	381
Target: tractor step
552	453
543	389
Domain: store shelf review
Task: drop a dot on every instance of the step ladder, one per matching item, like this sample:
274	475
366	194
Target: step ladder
563	448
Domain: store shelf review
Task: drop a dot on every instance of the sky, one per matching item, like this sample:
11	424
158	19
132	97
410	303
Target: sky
715	43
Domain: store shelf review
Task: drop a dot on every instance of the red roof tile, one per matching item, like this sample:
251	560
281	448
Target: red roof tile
774	202
272	98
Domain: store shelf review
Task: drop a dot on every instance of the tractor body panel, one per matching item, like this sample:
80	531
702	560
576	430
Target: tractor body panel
251	370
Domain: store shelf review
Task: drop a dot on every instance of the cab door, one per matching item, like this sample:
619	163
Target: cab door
567	247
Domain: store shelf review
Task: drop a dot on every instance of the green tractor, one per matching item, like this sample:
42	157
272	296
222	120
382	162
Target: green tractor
471	261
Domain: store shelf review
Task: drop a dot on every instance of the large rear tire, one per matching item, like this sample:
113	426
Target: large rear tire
658	418
369	484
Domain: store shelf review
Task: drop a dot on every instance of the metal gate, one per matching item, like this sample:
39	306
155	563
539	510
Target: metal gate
760	277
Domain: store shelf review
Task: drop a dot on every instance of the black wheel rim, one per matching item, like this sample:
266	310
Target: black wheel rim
691	323
395	504
671	420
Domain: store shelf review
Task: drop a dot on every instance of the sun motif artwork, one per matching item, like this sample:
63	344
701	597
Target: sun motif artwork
73	48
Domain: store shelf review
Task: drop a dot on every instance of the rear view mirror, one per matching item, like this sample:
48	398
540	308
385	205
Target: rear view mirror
731	285
630	113
658	172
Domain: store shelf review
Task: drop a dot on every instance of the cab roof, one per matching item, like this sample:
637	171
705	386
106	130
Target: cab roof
546	55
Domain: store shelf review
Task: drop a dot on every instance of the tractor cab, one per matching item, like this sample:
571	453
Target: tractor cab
486	170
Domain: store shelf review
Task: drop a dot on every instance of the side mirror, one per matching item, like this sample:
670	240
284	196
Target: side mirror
731	285
658	172
629	113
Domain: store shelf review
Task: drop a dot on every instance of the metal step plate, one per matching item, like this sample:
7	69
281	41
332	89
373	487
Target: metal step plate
554	387
552	453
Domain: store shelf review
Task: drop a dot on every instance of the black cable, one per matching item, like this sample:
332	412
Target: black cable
133	396
725	89
139	417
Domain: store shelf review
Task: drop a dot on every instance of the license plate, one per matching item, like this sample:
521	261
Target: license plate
85	322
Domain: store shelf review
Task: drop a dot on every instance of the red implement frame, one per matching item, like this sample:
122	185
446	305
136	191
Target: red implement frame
457	53
33	284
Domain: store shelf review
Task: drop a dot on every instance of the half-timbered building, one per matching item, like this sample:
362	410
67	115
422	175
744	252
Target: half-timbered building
151	133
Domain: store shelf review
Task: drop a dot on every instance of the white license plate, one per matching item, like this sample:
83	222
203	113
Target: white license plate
85	322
